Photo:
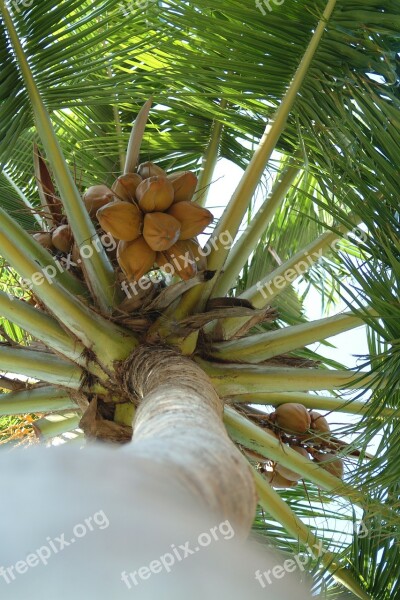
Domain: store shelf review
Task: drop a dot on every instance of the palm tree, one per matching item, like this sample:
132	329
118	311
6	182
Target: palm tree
305	95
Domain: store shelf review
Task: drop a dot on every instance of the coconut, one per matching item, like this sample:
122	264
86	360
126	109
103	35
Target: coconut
184	183
292	417
122	220
160	230
278	481
330	464
149	169
97	196
192	217
62	238
179	259
126	185
287	473
44	238
319	423
155	194
135	258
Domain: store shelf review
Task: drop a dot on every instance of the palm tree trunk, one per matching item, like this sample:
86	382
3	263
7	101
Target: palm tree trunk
179	425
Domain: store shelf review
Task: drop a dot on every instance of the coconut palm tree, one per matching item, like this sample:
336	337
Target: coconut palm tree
305	99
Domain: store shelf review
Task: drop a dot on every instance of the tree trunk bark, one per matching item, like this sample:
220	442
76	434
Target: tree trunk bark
178	424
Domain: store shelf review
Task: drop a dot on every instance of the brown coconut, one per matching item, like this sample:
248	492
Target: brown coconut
62	238
135	258
292	417
333	465
122	220
184	184
180	260
44	238
125	186
288	473
160	230
149	169
97	196
155	194
319	423
192	217
278	481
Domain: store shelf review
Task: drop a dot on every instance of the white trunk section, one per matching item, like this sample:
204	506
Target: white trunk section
179	425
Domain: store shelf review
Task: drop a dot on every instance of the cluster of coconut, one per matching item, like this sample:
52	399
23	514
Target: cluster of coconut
60	239
304	428
152	217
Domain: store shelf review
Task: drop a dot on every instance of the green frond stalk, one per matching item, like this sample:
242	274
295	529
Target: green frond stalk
124	413
232	379
247	242
329	403
46	329
273	504
107	340
30	247
238	204
97	265
257	348
43	366
263	292
54	425
43	399
210	159
278	280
